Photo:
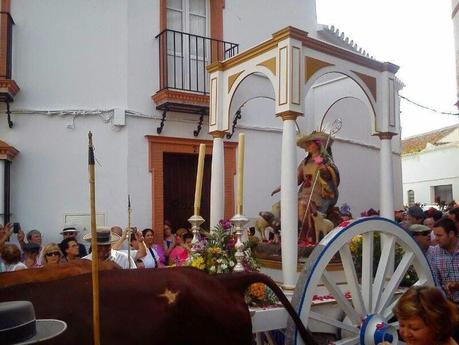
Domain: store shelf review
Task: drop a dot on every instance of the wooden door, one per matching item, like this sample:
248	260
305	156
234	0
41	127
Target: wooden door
179	187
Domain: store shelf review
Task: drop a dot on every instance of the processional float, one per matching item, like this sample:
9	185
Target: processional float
351	299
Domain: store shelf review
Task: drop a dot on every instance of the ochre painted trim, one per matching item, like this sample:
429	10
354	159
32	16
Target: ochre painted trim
217	134
9	86
216	19
6	6
289	115
7	152
285	73
307	41
182	97
312	65
292	68
369	81
232	78
162	15
385	135
269	64
157	146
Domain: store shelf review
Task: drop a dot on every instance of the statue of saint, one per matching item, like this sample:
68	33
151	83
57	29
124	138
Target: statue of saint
319	180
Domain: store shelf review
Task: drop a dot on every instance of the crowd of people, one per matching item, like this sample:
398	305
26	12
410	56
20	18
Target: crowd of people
426	315
113	244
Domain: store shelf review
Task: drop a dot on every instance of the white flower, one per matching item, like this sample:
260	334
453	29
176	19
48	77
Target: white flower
224	266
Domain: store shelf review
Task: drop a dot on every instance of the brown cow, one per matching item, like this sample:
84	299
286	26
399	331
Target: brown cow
164	307
49	273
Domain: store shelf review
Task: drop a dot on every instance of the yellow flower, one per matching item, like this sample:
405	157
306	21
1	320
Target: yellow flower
198	263
214	250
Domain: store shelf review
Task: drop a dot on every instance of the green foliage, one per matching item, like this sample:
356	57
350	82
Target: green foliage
356	250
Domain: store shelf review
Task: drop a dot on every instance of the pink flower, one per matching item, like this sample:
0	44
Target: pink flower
226	224
318	160
344	224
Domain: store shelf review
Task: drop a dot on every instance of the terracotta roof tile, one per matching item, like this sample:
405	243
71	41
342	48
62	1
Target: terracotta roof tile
419	142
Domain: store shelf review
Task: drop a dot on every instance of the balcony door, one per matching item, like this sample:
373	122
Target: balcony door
188	45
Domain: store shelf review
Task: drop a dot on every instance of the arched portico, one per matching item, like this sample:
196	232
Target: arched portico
292	62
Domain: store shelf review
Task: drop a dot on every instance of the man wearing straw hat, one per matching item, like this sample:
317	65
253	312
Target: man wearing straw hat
319	180
105	238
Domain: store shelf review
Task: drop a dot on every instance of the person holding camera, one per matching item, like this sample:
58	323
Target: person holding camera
7	230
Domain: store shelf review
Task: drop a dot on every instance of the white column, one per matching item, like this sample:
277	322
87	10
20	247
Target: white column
289	201
386	190
217	181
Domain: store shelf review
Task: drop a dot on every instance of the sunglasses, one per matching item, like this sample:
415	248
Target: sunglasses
423	233
53	253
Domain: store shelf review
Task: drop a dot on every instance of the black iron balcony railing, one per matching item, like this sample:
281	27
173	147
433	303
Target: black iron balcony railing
6	71
183	58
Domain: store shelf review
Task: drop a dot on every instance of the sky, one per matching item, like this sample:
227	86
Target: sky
416	35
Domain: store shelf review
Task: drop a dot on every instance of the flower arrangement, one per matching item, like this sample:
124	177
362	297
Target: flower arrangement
215	253
259	295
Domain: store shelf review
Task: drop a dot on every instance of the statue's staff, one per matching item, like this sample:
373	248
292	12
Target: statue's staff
95	259
128	232
335	128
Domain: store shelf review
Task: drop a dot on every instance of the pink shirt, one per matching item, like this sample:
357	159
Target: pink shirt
178	256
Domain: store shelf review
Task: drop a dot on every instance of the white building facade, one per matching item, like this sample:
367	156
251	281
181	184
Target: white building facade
96	66
431	174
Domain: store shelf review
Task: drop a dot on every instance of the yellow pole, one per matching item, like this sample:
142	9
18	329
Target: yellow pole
199	176
95	259
128	233
240	174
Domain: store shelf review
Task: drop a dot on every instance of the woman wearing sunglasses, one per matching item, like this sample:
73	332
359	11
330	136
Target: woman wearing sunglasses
52	255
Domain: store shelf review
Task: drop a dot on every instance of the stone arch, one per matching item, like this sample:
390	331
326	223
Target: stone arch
370	95
240	79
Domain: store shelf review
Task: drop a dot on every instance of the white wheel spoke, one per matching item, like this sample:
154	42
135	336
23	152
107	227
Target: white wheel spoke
348	341
340	298
270	338
395	324
420	282
367	269
388	313
374	289
351	279
383	267
395	280
333	322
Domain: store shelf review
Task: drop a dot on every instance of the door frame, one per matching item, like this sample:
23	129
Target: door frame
157	146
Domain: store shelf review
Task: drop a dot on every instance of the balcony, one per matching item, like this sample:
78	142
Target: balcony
184	81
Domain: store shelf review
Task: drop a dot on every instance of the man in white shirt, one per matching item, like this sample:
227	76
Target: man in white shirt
105	238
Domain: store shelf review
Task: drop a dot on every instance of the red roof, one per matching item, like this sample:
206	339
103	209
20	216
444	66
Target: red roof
419	142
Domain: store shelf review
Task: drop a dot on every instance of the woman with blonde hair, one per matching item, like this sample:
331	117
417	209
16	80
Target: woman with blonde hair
426	317
51	255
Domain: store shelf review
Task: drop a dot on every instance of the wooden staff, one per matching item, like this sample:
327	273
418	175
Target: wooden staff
128	233
95	259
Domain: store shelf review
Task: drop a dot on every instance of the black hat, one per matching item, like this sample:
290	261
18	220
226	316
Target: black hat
18	325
